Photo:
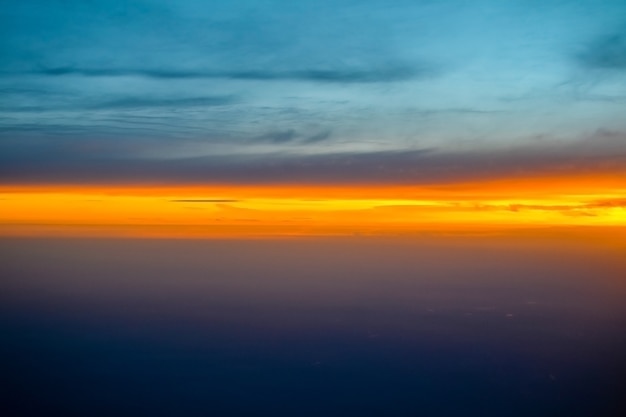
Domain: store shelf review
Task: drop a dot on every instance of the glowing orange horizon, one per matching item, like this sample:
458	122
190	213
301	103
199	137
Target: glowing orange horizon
219	210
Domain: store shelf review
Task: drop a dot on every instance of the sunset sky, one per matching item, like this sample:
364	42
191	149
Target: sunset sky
311	117
313	208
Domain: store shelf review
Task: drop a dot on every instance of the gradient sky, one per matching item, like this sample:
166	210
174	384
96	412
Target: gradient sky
331	91
450	96
402	207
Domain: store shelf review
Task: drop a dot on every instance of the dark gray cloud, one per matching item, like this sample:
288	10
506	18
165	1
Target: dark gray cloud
124	103
48	162
282	136
292	136
385	73
319	137
148	102
608	52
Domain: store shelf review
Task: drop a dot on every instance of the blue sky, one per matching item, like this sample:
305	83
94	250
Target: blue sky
194	90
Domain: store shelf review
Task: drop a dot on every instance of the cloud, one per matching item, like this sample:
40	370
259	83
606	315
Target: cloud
125	103
608	52
76	162
572	209
357	75
308	91
291	136
318	137
282	136
599	204
608	203
149	102
204	200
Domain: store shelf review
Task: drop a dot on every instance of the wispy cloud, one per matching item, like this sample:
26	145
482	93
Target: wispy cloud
292	136
598	204
77	162
365	75
319	137
607	52
149	102
282	136
205	200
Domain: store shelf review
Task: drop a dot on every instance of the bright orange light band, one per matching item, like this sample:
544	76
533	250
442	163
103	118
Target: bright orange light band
288	210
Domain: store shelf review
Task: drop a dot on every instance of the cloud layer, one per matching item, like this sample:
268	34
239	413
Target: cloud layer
260	91
79	162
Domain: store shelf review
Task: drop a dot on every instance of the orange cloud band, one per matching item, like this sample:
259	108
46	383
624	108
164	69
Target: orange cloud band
287	210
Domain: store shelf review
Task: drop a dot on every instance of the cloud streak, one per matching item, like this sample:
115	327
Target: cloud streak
205	200
368	75
608	52
151	102
600	153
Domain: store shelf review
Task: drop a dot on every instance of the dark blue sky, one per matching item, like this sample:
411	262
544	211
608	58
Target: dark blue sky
194	90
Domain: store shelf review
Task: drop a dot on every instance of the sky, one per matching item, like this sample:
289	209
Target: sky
333	93
313	207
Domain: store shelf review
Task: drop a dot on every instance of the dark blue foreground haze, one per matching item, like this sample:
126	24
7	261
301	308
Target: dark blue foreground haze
311	327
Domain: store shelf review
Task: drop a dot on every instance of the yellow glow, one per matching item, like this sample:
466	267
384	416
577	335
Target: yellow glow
283	210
